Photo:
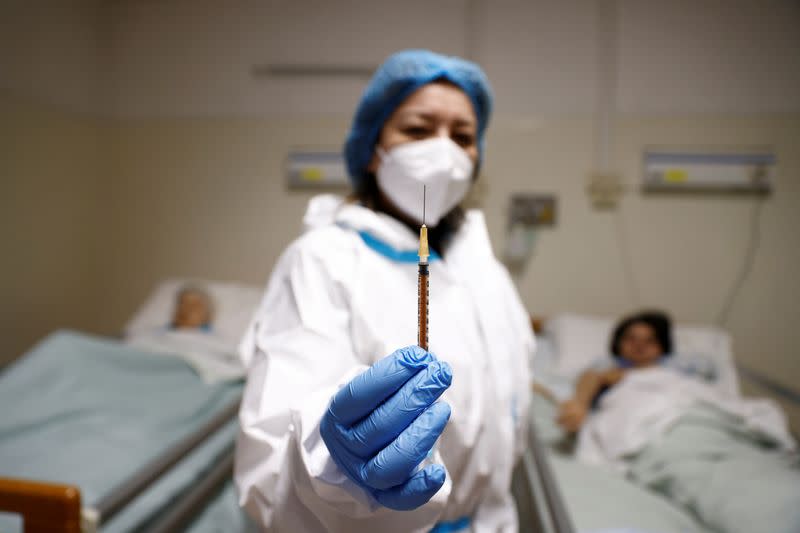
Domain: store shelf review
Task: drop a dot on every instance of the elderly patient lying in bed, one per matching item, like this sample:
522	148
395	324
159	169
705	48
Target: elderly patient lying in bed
656	417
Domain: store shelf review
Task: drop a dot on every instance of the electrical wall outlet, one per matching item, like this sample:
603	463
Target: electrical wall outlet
532	209
604	189
527	214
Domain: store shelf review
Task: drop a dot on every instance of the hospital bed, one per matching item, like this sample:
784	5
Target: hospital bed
99	434
596	498
120	431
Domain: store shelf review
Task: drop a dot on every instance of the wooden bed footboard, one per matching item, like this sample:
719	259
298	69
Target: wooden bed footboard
44	507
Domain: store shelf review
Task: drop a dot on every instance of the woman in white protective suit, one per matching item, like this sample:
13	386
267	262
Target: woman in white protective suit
344	426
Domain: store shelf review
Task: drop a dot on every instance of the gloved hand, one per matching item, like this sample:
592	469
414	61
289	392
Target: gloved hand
384	422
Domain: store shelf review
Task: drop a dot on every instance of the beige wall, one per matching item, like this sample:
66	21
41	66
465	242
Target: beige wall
188	178
53	52
96	212
686	250
194	57
207	198
200	197
51	163
50	169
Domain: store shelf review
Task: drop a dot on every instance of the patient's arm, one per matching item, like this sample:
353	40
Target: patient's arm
572	412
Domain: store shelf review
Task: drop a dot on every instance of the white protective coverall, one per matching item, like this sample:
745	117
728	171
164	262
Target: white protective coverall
343	296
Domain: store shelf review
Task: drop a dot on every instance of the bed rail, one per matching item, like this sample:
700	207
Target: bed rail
558	513
182	511
117	499
55	508
547	512
779	389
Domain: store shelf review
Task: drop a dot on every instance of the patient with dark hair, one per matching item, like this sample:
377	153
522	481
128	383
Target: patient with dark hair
640	340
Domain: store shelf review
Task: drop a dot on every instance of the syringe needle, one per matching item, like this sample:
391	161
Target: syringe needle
423	235
424	188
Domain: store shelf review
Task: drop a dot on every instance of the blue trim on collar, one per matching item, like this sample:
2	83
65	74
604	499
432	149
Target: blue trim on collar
384	249
454	525
624	363
205	328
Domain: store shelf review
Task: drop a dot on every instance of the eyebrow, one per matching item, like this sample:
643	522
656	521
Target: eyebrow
431	117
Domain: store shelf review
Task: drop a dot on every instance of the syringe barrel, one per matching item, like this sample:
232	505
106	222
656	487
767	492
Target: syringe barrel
422	312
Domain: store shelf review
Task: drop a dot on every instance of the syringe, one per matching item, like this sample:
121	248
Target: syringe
422	282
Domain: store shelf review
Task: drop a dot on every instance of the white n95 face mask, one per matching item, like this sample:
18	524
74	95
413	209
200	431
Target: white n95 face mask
440	164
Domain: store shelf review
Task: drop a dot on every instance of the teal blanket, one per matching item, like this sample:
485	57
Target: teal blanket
707	473
598	499
91	412
727	476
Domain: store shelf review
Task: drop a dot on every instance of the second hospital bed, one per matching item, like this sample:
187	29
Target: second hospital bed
600	499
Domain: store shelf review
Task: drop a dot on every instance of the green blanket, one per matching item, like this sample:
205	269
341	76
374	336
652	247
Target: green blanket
718	475
599	499
726	475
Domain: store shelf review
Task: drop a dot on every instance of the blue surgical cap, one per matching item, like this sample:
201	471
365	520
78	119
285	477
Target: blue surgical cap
400	75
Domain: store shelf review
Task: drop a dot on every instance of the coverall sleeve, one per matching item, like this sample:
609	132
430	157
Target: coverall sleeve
519	321
299	352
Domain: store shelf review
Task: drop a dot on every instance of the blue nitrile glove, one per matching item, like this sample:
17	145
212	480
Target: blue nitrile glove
384	422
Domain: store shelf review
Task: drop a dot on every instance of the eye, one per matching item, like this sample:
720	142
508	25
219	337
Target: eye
463	139
417	131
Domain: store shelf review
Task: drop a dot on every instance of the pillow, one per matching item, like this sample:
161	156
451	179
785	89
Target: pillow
582	339
715	343
579	339
234	305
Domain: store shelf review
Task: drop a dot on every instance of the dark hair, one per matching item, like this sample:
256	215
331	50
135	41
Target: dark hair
658	320
368	194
